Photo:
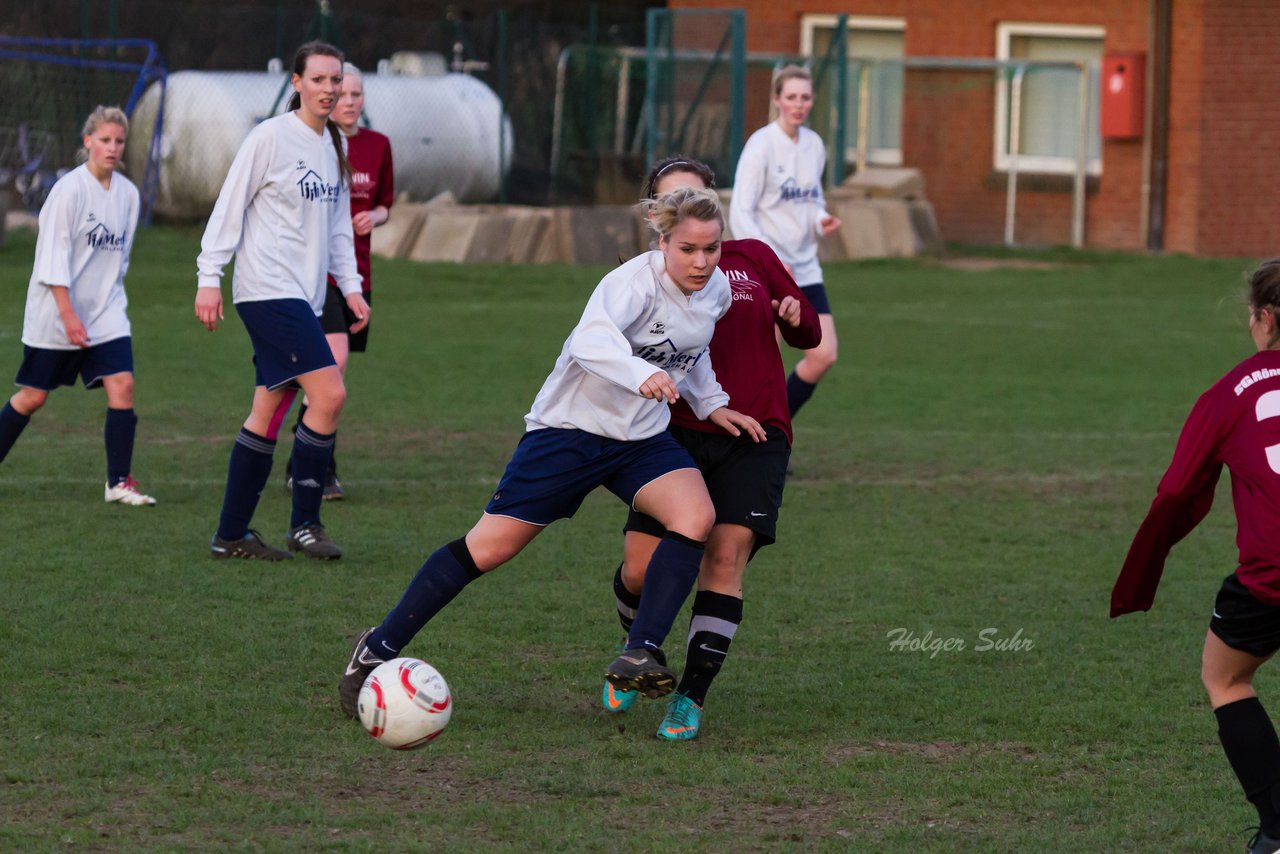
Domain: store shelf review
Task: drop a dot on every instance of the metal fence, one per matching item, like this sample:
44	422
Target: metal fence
436	77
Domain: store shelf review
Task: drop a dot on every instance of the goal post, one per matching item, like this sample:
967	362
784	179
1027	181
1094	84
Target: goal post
51	85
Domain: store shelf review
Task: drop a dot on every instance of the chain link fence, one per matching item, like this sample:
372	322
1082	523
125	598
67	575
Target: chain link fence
437	80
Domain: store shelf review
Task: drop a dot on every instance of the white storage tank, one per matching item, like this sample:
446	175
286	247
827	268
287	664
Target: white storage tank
444	133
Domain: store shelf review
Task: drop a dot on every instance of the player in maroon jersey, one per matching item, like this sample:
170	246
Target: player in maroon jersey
1235	423
372	193
745	478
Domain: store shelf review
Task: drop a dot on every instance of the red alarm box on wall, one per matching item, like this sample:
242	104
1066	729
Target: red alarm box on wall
1123	78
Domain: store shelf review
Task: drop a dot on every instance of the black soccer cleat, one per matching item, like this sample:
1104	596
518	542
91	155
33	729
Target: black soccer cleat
643	670
313	541
1261	843
249	547
358	669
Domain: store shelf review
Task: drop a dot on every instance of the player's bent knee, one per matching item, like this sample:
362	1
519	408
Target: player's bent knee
633	575
695	522
27	400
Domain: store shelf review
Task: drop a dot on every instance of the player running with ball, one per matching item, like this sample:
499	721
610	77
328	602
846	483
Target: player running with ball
745	479
600	420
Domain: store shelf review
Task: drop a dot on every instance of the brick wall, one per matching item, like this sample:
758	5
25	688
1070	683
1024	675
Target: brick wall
1239	194
1224	127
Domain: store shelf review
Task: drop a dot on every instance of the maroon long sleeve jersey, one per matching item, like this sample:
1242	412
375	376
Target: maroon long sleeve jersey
744	350
1235	423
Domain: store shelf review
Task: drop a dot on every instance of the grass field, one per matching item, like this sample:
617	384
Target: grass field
974	467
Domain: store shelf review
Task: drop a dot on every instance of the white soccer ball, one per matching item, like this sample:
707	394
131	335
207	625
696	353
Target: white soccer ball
405	703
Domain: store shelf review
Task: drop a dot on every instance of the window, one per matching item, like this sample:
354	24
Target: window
1049	128
870	39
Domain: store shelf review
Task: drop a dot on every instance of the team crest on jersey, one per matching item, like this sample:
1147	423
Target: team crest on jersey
742	289
100	237
668	357
313	187
793	192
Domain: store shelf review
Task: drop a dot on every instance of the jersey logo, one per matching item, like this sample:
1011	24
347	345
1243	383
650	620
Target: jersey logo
743	290
100	237
91	217
793	192
658	328
313	187
302	164
668	357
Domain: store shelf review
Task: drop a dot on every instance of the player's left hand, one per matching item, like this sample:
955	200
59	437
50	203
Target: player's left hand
829	224
360	309
734	423
362	223
788	310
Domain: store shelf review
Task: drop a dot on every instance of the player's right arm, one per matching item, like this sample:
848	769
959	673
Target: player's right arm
225	229
600	347
748	187
54	255
1183	498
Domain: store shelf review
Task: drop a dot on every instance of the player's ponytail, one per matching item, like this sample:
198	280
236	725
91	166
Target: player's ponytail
308	50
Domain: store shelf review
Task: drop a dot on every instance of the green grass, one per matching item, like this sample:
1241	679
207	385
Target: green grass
978	460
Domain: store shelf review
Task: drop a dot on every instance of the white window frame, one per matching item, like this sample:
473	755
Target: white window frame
1029	162
810	23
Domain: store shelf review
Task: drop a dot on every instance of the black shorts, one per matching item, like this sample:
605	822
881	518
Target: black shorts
337	319
1244	623
817	297
745	479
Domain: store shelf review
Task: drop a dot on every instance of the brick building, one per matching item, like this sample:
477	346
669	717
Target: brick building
1196	174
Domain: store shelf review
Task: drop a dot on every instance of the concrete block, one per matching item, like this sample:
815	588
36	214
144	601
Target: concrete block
861	229
553	247
396	237
925	224
888	182
602	235
899	235
445	236
529	227
490	239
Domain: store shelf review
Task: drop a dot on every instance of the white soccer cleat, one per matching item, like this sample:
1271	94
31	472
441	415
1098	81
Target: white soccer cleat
127	493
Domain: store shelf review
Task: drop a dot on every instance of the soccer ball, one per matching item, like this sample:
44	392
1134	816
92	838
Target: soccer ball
405	703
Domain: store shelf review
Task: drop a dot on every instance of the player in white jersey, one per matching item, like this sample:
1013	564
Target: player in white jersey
777	198
284	213
75	321
600	420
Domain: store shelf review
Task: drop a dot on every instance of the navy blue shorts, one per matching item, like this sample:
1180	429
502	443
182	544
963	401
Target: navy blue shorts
47	369
287	340
817	296
553	470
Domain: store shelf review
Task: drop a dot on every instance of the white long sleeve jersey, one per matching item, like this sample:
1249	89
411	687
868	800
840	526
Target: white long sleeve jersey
285	213
636	323
85	237
777	197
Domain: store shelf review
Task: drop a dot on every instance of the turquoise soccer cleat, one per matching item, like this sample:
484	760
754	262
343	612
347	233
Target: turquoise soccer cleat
684	716
616	701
